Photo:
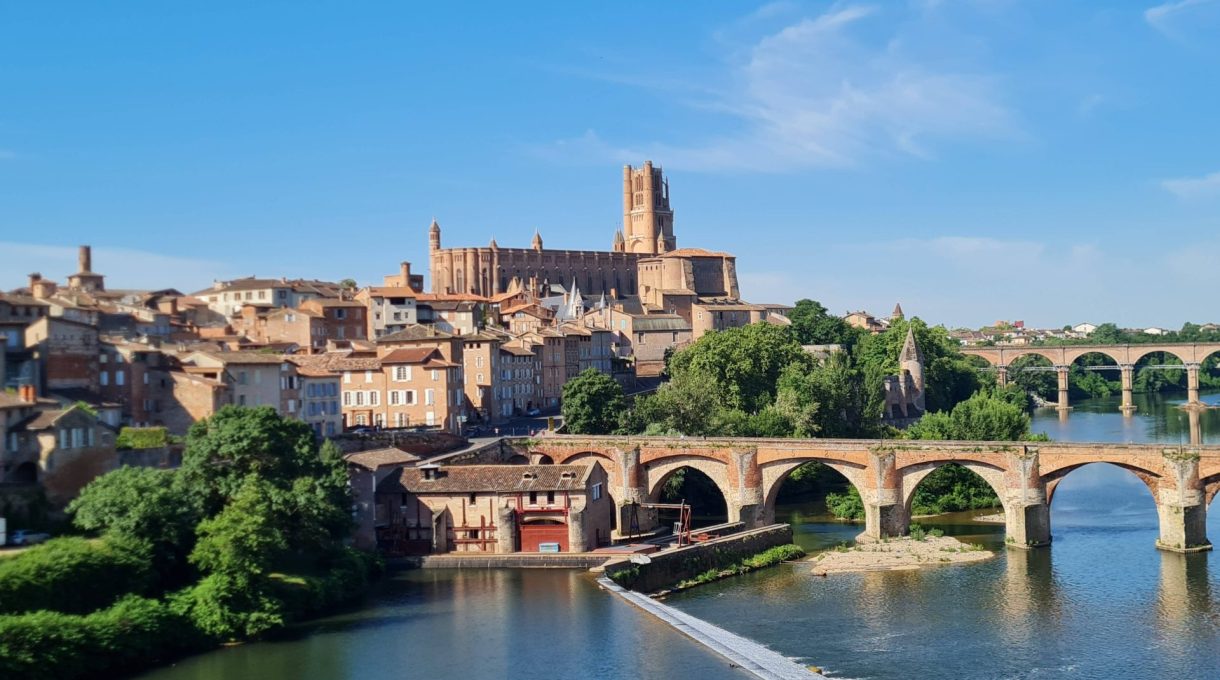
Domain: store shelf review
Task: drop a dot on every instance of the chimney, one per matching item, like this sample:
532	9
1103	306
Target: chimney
26	393
86	259
405	269
34	279
614	293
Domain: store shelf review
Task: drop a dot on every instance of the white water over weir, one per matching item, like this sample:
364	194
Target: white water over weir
750	656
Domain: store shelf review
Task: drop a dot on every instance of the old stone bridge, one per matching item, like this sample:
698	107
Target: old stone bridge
1192	356
749	473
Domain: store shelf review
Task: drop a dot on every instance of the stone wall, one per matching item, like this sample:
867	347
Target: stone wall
671	566
422	444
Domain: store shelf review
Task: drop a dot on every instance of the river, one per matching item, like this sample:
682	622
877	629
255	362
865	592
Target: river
1101	603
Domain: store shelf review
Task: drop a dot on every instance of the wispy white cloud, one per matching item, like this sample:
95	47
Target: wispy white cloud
1193	187
828	90
124	267
7	155
1160	15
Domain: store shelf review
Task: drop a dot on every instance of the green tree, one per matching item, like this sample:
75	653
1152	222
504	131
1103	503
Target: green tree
742	364
592	403
812	324
236	550
141	504
948	376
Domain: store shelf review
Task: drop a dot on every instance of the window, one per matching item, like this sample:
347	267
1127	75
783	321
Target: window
429	396
478	362
292	405
402	373
119	377
340	313
435	375
597	491
262	295
533	498
368	376
105	378
408	397
241	400
480	378
400	419
473	498
347	398
12	442
241	377
347	376
64	441
360	398
550	498
395	398
145	377
374	398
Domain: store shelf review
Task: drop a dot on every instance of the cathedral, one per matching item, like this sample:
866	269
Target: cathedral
647	232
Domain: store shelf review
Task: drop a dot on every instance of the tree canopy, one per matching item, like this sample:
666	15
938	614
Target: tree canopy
592	403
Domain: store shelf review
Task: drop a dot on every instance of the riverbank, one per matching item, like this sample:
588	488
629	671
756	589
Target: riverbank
897	554
746	654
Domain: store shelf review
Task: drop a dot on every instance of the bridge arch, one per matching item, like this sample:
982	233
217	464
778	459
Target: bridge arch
912	475
775	474
1052	479
658	472
1137	352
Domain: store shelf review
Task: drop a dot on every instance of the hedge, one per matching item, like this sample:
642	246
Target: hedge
73	576
141	438
132	634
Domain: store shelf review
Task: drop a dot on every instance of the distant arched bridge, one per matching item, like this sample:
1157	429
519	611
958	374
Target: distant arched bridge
749	473
1192	356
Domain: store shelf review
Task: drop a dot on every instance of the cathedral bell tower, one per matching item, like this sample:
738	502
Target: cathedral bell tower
648	220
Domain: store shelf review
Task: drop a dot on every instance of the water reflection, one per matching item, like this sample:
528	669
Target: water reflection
1157	418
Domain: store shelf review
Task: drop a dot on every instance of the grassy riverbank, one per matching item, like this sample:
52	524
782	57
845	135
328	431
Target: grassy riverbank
725	564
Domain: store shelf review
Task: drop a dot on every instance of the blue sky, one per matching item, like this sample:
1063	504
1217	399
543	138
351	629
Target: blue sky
976	160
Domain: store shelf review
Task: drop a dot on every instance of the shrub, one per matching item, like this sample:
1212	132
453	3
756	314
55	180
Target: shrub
133	633
847	505
73	575
141	438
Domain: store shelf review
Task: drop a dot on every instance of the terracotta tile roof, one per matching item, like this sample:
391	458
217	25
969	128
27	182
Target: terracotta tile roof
693	252
416	332
516	351
313	365
240	357
463	297
484	478
12	401
391	291
40	420
409	355
371	460
659	322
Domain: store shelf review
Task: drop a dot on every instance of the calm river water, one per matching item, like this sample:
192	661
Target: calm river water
1101	603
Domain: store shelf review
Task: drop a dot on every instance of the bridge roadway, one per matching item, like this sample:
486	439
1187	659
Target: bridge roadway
1191	354
749	473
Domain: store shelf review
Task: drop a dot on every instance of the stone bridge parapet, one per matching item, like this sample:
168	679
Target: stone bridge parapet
749	473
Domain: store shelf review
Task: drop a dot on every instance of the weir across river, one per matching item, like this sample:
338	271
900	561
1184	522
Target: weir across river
749	472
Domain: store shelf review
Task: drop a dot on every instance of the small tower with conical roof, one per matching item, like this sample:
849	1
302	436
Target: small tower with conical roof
910	364
493	245
620	244
897	313
434	236
536	244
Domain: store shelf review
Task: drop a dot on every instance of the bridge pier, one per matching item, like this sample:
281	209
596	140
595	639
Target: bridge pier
1180	507
747	504
1128	378
1192	385
1001	375
634	490
1061	372
1027	515
885	515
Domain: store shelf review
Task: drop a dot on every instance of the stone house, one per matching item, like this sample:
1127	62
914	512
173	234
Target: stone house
519	379
62	449
481	365
388	309
65	353
494	509
319	391
365	470
252	378
226	298
550	346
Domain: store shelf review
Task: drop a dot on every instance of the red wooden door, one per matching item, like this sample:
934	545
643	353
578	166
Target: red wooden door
533	533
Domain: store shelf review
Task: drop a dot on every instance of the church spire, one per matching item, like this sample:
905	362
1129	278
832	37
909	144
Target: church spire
536	244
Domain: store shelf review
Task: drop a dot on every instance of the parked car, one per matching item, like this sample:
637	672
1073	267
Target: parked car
24	537
533	412
363	430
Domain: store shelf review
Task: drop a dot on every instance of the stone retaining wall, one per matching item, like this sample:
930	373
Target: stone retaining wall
508	561
668	567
